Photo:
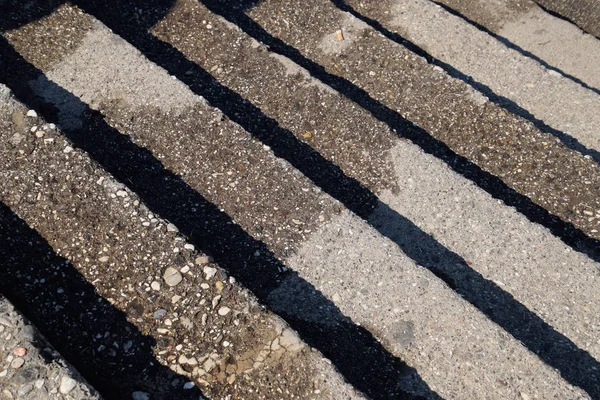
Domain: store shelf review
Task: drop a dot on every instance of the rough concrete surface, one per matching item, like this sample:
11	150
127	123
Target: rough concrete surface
550	97
398	81
585	13
104	68
558	43
197	164
452	346
201	329
30	368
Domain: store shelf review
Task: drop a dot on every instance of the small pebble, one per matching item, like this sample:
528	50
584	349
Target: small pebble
103	259
216	301
20	351
155	285
188	385
192	361
38	383
209	272
140	396
203	260
189	246
185	269
67	384
17	363
32	114
23	390
39	134
172	277
172	228
160	313
224	311
67	149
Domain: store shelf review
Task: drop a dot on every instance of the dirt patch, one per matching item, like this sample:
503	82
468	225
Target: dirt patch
48	40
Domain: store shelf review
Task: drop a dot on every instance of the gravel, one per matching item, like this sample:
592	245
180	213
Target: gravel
30	367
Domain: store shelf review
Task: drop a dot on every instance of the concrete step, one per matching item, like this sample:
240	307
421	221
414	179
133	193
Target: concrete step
97	272
558	45
555	103
30	367
406	86
585	13
460	295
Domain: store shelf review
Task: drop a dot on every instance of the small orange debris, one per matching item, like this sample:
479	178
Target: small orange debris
20	351
340	35
307	135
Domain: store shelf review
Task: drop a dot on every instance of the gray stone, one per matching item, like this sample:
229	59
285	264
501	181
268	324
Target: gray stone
23	390
403	333
172	228
67	384
140	396
17	363
172	277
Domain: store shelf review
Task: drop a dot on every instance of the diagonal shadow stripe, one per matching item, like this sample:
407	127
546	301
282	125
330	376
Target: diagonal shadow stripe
576	365
554	9
497	188
504	102
359	357
511	45
69	312
16	13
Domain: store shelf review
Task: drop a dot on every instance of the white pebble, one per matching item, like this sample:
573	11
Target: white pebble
224	311
32	114
209	272
172	228
67	384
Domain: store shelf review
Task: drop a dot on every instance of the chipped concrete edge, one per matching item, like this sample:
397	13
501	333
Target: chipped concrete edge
30	367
